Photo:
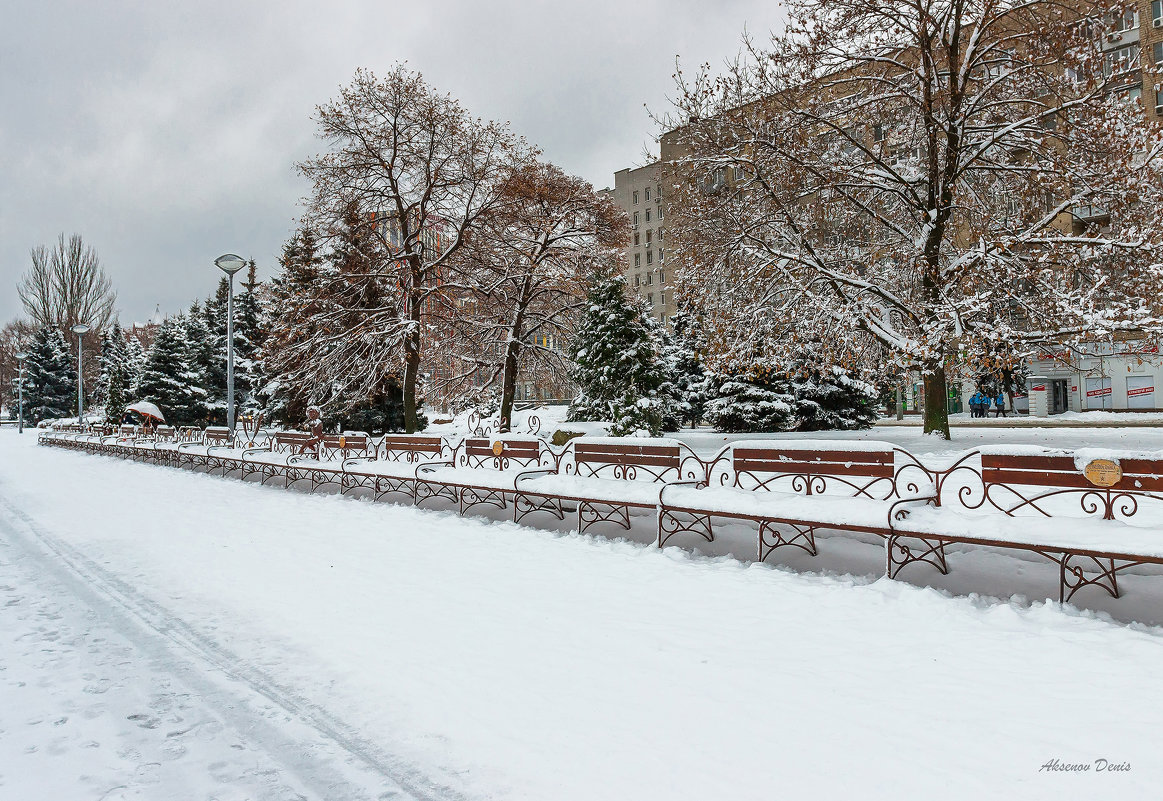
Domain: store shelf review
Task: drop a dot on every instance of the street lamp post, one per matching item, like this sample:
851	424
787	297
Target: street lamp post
20	357
230	264
80	329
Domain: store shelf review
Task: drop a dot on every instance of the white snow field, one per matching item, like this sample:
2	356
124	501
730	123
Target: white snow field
171	635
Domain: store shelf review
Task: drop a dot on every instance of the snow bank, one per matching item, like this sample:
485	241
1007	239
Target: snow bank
516	664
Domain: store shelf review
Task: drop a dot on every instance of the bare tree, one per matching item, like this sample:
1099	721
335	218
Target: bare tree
422	171
15	337
929	176
523	273
66	285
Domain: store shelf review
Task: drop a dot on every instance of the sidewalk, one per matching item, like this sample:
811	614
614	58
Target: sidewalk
1096	419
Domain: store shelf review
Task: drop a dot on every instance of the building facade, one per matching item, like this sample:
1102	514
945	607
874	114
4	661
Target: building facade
639	192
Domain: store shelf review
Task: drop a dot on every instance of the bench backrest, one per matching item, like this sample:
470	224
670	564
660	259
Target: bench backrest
408	448
217	435
343	445
1031	484
629	461
811	472
478	452
166	433
289	441
126	431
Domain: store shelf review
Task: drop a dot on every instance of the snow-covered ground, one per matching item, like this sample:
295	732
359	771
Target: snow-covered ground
166	634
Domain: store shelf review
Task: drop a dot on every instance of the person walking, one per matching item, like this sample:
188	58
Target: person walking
1000	404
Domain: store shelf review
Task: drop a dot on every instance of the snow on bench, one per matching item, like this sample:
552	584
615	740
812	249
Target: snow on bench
484	471
1094	512
606	478
792	484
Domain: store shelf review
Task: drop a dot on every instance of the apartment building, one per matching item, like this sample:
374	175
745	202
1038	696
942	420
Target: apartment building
639	192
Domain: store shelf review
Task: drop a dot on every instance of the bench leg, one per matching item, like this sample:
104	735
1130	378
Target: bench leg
897	554
527	504
669	524
1083	571
589	513
804	538
469	497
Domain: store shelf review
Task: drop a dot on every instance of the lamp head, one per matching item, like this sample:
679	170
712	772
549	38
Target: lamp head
81	328
21	356
229	263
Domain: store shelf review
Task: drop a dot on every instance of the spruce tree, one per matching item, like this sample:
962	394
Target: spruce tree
829	398
116	383
169	380
50	381
134	363
202	359
248	339
681	353
751	401
618	370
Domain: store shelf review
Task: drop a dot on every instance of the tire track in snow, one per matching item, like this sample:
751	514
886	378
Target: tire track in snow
205	656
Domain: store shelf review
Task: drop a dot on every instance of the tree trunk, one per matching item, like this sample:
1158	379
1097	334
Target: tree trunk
412	362
936	399
509	384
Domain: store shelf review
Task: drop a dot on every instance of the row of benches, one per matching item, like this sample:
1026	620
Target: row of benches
1037	500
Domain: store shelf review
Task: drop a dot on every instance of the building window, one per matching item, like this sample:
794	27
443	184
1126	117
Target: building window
1159	99
636	239
660	235
648	194
650	257
635	219
637	259
649	236
1121	60
1135	93
649	279
660	255
661	299
1157	10
878	130
637	279
650	298
1125	21
661	274
658	212
648	215
635	197
1157	50
658	191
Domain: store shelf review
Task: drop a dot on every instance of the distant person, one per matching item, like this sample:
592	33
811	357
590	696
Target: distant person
977	404
1000	405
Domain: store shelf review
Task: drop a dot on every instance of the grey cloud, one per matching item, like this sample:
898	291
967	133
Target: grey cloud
166	133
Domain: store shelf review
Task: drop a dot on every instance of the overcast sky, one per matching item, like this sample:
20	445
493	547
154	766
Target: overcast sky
166	133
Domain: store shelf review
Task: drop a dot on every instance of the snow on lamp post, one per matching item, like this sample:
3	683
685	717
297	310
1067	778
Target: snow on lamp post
80	329
20	357
230	264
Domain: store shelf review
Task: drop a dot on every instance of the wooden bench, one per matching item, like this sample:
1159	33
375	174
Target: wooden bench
345	446
392	464
481	471
1087	518
790	491
606	479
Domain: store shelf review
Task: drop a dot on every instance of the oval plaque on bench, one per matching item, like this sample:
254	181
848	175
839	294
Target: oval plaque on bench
498	447
1103	472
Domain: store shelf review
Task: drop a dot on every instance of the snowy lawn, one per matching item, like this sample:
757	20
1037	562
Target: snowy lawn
477	659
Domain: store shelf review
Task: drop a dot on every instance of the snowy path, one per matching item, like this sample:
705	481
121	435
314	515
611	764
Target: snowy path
81	647
351	649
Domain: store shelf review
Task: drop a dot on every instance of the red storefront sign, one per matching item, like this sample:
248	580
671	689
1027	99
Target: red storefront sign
1140	391
1098	393
1038	388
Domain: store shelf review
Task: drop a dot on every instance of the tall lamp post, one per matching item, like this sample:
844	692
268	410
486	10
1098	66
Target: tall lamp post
20	357
230	264
80	329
